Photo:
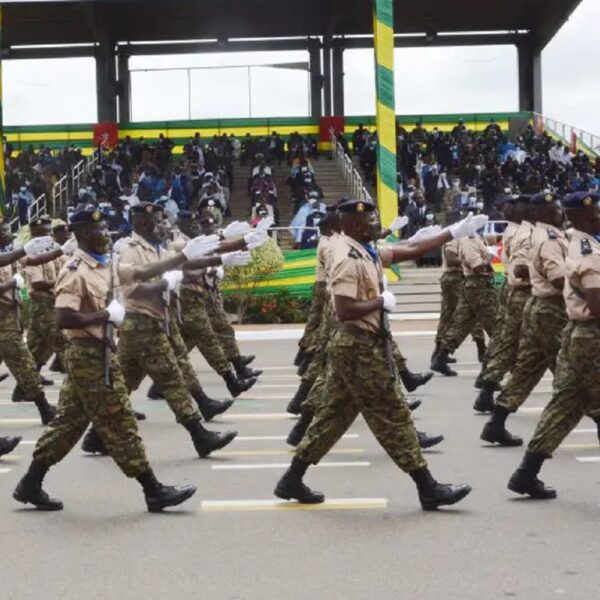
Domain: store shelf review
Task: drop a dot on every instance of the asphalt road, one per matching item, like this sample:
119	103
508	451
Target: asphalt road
371	542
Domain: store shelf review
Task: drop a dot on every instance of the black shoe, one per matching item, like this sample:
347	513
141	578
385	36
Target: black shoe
154	394
442	494
208	407
414	405
440	364
8	444
56	365
299	358
295	404
29	490
246	360
3	376
299	429
47	412
412	381
451	360
525	481
305	364
290	487
18	394
484	402
479	382
167	495
248	373
481	350
139	416
428	441
435	351
45	381
495	433
238	386
93	444
206	441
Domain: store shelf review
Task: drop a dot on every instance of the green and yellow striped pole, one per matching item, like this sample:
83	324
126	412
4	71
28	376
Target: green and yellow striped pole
2	174
383	29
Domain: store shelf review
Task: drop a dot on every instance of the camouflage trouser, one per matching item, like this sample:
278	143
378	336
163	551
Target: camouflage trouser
197	331
357	381
499	322
145	349
182	355
319	360
44	338
502	358
16	355
221	326
83	399
544	320
477	303
452	288
309	338
576	386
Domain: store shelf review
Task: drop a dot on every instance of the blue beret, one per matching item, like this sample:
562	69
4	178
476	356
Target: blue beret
146	208
544	198
581	200
356	207
187	215
84	217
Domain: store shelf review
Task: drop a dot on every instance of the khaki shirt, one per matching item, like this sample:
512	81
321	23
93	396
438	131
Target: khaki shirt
179	243
355	275
450	249
334	239
7	298
47	272
473	253
135	253
520	254
83	285
507	238
582	267
320	274
548	253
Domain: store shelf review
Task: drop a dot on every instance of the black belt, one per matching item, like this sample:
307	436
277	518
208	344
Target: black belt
359	332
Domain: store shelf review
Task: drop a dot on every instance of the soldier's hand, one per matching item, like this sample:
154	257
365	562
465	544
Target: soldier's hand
426	233
398	223
468	226
173	279
389	301
39	245
69	247
236	259
256	238
264	224
219	273
236	229
201	246
19	281
116	312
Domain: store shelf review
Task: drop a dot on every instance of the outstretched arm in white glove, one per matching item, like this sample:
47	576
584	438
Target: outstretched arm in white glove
236	259
468	226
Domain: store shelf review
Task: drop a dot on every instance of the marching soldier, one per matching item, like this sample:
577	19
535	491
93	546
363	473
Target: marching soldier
360	374
577	379
543	320
90	393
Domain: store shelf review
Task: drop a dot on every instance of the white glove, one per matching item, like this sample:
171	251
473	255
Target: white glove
201	246
236	259
19	281
426	233
39	245
219	273
389	301
69	247
116	312
119	245
236	229
384	280
255	238
398	223
173	279
264	224
468	226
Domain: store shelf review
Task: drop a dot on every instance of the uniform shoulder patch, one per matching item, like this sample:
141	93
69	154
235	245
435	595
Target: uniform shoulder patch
74	265
552	235
586	247
354	253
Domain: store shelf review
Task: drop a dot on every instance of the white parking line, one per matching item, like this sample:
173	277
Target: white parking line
258	505
286	465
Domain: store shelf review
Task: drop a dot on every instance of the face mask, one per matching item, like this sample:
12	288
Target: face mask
429	218
479	205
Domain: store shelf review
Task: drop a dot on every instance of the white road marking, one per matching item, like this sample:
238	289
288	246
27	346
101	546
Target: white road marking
225	453
286	465
4	471
588	459
584	431
580	446
258	505
268	438
296	334
20	421
532	409
260	386
253	416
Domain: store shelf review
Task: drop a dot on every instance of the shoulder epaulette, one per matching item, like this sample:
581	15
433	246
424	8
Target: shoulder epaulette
73	266
354	253
586	247
552	235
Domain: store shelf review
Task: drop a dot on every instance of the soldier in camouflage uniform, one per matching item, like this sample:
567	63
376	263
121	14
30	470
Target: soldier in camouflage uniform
576	389
543	320
81	293
13	351
506	344
359	379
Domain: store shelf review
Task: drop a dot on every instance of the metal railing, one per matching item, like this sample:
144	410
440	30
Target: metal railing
60	194
38	208
353	178
78	173
586	140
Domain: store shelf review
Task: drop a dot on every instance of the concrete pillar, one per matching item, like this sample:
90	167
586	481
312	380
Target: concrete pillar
124	88
338	80
106	81
327	76
530	78
316	79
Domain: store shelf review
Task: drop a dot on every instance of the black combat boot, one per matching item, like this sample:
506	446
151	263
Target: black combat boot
484	402
290	485
3	376
29	490
414	405
440	364
299	397
524	480
433	494
303	367
597	421
208	407
495	431
139	416
47	412
435	351
246	360
237	386
299	358
481	350
242	371
93	444
154	394
479	381
159	496
56	366
18	394
299	429
8	444
412	381
206	441
45	381
428	441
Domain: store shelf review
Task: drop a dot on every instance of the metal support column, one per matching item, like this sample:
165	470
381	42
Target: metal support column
124	87
106	81
2	174
530	77
338	79
327	75
316	79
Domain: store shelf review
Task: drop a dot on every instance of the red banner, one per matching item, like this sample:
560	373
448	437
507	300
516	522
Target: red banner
329	126
106	135
574	142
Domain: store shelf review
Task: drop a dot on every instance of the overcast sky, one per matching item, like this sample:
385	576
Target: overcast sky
431	80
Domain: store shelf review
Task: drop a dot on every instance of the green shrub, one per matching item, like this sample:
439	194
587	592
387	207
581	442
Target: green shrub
273	308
